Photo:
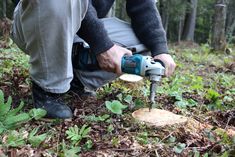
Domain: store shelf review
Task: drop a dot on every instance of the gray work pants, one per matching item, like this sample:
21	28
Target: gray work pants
45	30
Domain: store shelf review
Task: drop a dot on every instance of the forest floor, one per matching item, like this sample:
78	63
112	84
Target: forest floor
202	88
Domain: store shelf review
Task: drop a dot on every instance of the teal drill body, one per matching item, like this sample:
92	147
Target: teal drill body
132	64
143	66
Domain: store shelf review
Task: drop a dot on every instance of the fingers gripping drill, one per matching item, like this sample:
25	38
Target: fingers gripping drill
145	66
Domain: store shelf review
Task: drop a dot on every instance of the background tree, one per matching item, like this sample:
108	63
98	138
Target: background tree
112	11
173	15
218	41
6	11
190	21
230	21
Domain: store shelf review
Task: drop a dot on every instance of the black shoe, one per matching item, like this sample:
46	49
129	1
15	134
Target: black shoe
51	103
78	88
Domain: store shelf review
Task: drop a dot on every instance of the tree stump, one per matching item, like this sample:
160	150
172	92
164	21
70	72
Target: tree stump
218	41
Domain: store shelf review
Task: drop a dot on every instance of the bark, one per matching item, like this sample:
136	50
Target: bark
230	20
180	30
121	9
218	41
163	9
112	11
4	8
190	21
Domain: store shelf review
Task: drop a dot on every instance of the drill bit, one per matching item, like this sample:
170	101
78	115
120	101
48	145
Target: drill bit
153	88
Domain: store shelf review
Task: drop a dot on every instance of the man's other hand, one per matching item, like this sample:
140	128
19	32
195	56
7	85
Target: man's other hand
111	59
169	63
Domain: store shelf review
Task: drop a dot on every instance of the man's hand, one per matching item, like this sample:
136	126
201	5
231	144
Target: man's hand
169	63
111	59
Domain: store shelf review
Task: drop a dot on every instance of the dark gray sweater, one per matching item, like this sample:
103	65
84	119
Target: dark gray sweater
145	21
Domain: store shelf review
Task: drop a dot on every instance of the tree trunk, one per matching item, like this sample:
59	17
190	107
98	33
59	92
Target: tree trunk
112	11
4	8
190	22
230	20
163	9
121	9
180	30
218	41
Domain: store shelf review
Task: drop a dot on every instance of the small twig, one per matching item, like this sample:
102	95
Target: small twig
201	148
166	137
127	149
156	153
58	140
229	119
5	58
77	95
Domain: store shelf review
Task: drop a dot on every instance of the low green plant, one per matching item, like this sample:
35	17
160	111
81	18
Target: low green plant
115	141
94	118
110	128
214	100
128	99
75	134
13	58
88	145
142	138
71	151
15	139
179	148
171	139
12	118
115	106
183	104
34	139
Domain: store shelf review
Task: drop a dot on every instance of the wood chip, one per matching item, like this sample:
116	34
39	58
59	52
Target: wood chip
131	78
158	118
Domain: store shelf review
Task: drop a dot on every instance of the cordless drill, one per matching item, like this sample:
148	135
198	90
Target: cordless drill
136	64
144	66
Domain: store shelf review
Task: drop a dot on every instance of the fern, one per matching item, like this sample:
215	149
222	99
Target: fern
36	140
76	135
72	151
11	118
20	118
4	108
16	110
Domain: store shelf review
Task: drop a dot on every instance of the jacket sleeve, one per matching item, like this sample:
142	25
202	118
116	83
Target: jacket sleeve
102	7
147	24
93	32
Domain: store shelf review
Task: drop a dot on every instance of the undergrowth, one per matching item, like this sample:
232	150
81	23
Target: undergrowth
202	88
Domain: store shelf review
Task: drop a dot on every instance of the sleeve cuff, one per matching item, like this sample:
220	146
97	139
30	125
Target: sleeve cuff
160	49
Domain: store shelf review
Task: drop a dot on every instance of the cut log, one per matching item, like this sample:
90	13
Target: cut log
158	118
130	78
